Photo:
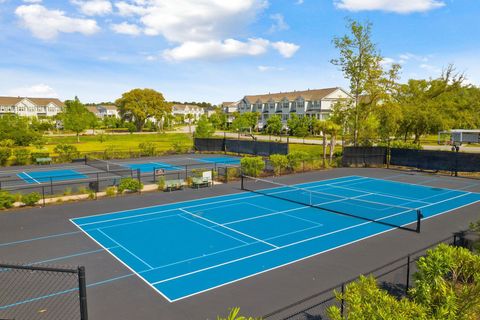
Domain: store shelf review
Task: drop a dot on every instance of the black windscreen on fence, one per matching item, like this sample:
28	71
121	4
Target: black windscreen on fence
261	148
435	160
364	156
206	144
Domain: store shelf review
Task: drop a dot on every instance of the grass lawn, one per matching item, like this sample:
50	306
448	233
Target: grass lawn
316	150
124	142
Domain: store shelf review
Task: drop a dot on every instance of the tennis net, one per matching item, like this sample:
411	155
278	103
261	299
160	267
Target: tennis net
108	166
391	215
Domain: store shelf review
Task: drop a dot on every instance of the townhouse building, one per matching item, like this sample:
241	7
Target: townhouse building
315	103
31	107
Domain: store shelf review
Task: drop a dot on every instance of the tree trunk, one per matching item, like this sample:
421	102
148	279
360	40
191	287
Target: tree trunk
332	147
78	137
324	149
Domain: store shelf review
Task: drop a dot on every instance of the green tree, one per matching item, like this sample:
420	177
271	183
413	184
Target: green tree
219	119
76	117
448	283
139	105
274	125
204	128
66	152
246	121
361	64
364	300
5	153
18	129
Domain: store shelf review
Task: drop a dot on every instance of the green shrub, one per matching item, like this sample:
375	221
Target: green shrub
252	166
279	163
296	158
129	184
5	153
67	191
179	147
91	194
147	148
161	183
9	143
6	199
111	191
66	152
22	156
31	199
83	190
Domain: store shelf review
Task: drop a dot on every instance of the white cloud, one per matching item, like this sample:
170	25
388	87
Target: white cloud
198	20
430	68
93	7
126	28
269	68
35	91
216	49
398	6
299	2
31	1
128	9
279	23
47	24
286	49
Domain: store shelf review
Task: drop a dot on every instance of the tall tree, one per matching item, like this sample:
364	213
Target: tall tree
274	125
76	117
204	128
361	64
139	105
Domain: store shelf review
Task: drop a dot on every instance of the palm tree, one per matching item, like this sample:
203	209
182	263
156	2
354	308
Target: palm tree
333	130
321	126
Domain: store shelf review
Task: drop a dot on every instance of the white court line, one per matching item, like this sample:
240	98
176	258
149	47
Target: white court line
118	244
31	177
210	228
228	228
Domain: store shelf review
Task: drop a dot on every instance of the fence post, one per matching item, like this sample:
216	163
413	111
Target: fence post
51	186
139	178
342	304
241	182
43	195
226	174
407	286
154	175
82	287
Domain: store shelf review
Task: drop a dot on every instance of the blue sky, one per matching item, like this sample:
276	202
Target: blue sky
219	50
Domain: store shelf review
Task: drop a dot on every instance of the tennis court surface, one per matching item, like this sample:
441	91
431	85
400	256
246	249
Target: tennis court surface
186	248
39	177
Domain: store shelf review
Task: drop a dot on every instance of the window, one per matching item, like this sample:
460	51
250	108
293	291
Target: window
285	104
284	117
300	104
272	105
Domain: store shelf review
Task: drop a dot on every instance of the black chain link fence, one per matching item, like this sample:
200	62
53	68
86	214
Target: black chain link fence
396	277
32	292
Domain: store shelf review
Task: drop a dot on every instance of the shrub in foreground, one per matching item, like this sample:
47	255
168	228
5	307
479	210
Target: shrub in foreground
6	199
252	166
31	199
129	184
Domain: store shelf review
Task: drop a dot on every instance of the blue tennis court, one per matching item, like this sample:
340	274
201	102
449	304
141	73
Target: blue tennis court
149	167
50	176
186	248
220	160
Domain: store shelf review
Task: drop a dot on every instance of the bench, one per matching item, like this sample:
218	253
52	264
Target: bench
201	182
175	184
46	160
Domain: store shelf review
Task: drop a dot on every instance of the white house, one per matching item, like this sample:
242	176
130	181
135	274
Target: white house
316	103
187	109
104	111
31	107
230	108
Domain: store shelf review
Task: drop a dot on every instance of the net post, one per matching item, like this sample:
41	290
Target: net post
82	287
419	220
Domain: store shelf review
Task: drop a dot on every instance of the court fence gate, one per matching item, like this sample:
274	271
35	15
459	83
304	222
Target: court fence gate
34	292
396	277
